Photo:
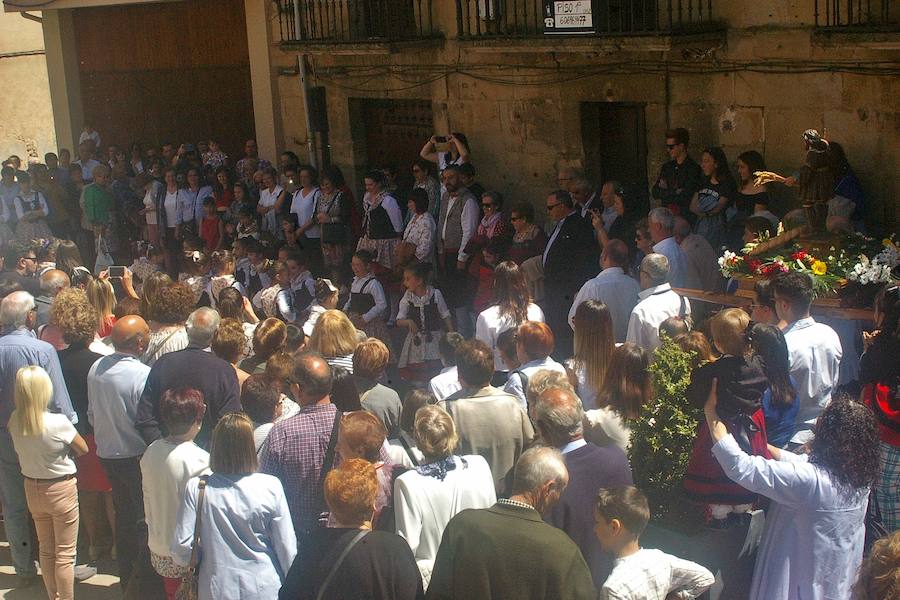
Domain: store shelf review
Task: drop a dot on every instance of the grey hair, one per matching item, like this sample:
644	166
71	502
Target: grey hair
682	227
563	420
14	310
201	326
656	268
543	380
54	280
536	467
663	217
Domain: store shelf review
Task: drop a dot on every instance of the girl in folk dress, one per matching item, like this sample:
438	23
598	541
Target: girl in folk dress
223	276
424	313
367	306
267	299
382	224
31	211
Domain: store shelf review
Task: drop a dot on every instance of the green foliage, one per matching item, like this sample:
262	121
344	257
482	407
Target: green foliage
663	435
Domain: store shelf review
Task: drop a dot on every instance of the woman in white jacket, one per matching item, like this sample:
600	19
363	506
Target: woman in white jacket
427	497
247	539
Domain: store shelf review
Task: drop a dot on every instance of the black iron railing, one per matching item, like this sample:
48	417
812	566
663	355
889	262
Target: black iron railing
857	13
336	21
526	18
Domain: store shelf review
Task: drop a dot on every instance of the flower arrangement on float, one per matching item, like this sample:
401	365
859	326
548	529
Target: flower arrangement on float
851	258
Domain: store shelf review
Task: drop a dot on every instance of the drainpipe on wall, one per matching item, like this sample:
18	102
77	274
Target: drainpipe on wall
310	136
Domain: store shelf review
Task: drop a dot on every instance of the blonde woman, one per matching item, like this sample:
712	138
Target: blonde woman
102	297
335	338
594	345
43	441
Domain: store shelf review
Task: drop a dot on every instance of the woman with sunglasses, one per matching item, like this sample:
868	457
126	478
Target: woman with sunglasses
528	239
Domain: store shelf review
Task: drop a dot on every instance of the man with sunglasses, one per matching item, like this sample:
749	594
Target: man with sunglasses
679	177
20	264
569	260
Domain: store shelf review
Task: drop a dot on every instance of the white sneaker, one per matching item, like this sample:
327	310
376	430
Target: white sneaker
83	572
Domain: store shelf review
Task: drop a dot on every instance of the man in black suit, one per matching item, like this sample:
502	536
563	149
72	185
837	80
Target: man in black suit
569	260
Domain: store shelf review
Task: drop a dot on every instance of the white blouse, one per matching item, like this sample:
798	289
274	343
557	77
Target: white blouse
491	324
171	206
420	231
304	206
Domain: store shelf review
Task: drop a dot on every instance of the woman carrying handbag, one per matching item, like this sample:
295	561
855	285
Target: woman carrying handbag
233	530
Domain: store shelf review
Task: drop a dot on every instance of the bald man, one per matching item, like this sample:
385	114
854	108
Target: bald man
115	386
295	449
558	416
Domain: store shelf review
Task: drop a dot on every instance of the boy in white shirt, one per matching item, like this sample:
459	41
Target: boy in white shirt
638	574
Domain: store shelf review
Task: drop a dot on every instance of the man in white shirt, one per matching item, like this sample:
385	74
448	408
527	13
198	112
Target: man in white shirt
458	223
613	287
657	303
662	224
86	162
814	350
702	261
447	381
585	197
114	386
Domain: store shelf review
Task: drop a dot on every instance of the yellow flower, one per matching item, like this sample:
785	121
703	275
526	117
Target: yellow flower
819	267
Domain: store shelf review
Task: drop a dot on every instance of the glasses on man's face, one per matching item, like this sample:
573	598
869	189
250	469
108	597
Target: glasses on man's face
550	207
671	146
487	205
30	257
515	218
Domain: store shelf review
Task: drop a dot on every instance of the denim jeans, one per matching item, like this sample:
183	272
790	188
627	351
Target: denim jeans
15	508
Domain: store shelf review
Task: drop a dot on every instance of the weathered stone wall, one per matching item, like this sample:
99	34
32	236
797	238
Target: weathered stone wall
26	117
731	96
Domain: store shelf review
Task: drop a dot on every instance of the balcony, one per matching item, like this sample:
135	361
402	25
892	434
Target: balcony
486	19
870	24
356	26
860	15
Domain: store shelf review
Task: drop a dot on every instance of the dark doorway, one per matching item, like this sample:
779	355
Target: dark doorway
390	132
159	73
615	146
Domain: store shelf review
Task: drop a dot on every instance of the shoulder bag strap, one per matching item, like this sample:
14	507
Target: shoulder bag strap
409	452
340	559
195	545
329	453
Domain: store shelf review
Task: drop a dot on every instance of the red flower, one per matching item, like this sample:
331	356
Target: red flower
799	255
753	265
772	269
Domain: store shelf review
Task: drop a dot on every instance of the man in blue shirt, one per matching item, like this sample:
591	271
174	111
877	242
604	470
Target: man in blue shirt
19	348
114	387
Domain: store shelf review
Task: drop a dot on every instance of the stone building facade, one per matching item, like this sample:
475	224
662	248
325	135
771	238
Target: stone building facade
748	75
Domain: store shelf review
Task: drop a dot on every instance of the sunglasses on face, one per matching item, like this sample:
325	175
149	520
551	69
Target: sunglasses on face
487	205
671	146
552	206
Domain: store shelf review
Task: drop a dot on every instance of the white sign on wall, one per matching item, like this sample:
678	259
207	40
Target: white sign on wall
568	16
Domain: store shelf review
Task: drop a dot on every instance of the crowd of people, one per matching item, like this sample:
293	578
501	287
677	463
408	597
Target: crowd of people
238	370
